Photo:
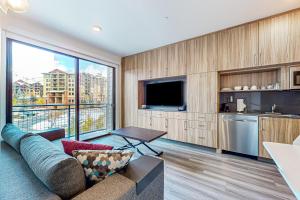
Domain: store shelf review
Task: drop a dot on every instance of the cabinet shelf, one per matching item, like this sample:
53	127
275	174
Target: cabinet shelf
232	91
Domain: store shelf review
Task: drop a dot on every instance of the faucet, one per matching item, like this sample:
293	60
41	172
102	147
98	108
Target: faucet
273	108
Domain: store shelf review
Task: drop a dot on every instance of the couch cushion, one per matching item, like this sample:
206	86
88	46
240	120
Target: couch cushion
17	181
13	135
61	173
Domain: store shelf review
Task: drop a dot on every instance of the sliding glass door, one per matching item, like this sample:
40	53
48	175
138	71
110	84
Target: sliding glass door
48	89
95	97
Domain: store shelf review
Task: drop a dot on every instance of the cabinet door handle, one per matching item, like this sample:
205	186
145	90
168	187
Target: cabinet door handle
150	121
185	125
166	123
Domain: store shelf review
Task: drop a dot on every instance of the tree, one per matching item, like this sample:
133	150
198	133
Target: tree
40	101
87	125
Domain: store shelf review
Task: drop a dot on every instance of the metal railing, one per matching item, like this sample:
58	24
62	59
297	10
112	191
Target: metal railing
31	118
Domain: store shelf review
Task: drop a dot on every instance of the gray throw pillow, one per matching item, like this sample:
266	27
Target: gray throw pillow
61	173
13	136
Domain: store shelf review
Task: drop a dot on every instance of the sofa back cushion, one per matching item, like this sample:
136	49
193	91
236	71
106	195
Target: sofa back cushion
61	173
13	136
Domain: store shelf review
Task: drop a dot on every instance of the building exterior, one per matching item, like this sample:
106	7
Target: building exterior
59	87
93	88
23	89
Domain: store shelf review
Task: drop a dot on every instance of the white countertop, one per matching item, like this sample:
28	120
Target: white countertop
287	159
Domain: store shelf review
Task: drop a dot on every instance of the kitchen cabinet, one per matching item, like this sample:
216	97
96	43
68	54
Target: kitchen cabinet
274	40
294	36
276	129
144	65
177	129
202	54
144	119
159	62
238	47
202	92
130	88
176	59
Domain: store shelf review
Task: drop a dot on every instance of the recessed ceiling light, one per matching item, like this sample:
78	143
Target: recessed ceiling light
97	28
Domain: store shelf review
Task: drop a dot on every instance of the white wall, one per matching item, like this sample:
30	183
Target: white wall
15	27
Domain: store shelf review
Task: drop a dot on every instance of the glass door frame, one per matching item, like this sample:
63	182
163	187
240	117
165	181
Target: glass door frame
9	84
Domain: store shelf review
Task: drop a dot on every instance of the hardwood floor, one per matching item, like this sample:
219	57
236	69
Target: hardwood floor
201	174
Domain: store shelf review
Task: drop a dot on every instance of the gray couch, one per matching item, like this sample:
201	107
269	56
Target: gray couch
21	179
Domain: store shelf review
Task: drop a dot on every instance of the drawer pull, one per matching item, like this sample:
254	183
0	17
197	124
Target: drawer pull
202	138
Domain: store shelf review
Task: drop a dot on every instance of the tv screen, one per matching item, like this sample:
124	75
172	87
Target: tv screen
165	94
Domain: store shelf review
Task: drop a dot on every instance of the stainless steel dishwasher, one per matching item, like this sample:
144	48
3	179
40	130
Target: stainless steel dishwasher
240	133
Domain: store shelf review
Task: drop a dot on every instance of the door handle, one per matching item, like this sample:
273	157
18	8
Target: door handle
185	125
166	123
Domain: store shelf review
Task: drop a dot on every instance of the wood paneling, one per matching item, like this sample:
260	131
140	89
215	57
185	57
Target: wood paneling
238	47
144	119
177	129
274	40
294	32
280	130
176	59
202	54
202	92
144	65
130	91
159	62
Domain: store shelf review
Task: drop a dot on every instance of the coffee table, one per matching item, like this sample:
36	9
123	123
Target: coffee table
141	134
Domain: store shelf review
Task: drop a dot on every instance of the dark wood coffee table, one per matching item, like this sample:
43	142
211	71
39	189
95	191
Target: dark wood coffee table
141	134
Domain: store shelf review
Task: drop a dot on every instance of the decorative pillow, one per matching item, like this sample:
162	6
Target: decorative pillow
98	165
71	145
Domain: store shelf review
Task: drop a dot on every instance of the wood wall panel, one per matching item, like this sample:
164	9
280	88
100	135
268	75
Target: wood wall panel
144	65
238	47
202	54
130	91
159	62
280	130
176	59
294	31
273	40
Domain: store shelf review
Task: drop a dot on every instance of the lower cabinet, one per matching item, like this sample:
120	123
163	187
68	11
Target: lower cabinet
194	128
177	129
276	129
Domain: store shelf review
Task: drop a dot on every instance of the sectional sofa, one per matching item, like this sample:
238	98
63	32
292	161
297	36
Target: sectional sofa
34	168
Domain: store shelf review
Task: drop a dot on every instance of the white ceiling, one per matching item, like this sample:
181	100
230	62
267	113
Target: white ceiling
131	26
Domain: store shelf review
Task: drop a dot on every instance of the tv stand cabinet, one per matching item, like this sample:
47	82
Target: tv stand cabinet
187	127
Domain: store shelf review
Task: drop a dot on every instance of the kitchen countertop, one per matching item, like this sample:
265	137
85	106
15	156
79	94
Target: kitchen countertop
264	115
287	159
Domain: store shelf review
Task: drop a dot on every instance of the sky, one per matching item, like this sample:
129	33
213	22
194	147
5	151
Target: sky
29	63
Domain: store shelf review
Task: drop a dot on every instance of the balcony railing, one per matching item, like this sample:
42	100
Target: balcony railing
31	118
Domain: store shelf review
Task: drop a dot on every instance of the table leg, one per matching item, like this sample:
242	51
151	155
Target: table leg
133	146
156	153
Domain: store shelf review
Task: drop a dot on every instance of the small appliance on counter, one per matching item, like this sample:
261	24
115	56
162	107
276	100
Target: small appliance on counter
240	105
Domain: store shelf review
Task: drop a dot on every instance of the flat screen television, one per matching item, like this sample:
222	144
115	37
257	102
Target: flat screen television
165	93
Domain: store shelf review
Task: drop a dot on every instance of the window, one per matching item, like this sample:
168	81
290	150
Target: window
43	91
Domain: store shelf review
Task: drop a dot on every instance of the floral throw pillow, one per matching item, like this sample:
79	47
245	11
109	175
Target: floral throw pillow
98	164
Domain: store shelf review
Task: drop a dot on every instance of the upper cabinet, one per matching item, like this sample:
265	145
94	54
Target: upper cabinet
202	54
176	59
238	47
274	40
130	91
294	30
144	65
159	62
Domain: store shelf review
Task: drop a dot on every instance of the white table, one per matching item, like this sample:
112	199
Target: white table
287	159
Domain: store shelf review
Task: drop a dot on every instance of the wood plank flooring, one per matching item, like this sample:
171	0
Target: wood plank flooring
194	173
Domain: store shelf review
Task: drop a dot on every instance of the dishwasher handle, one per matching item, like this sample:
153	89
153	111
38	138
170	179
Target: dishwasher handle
241	120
